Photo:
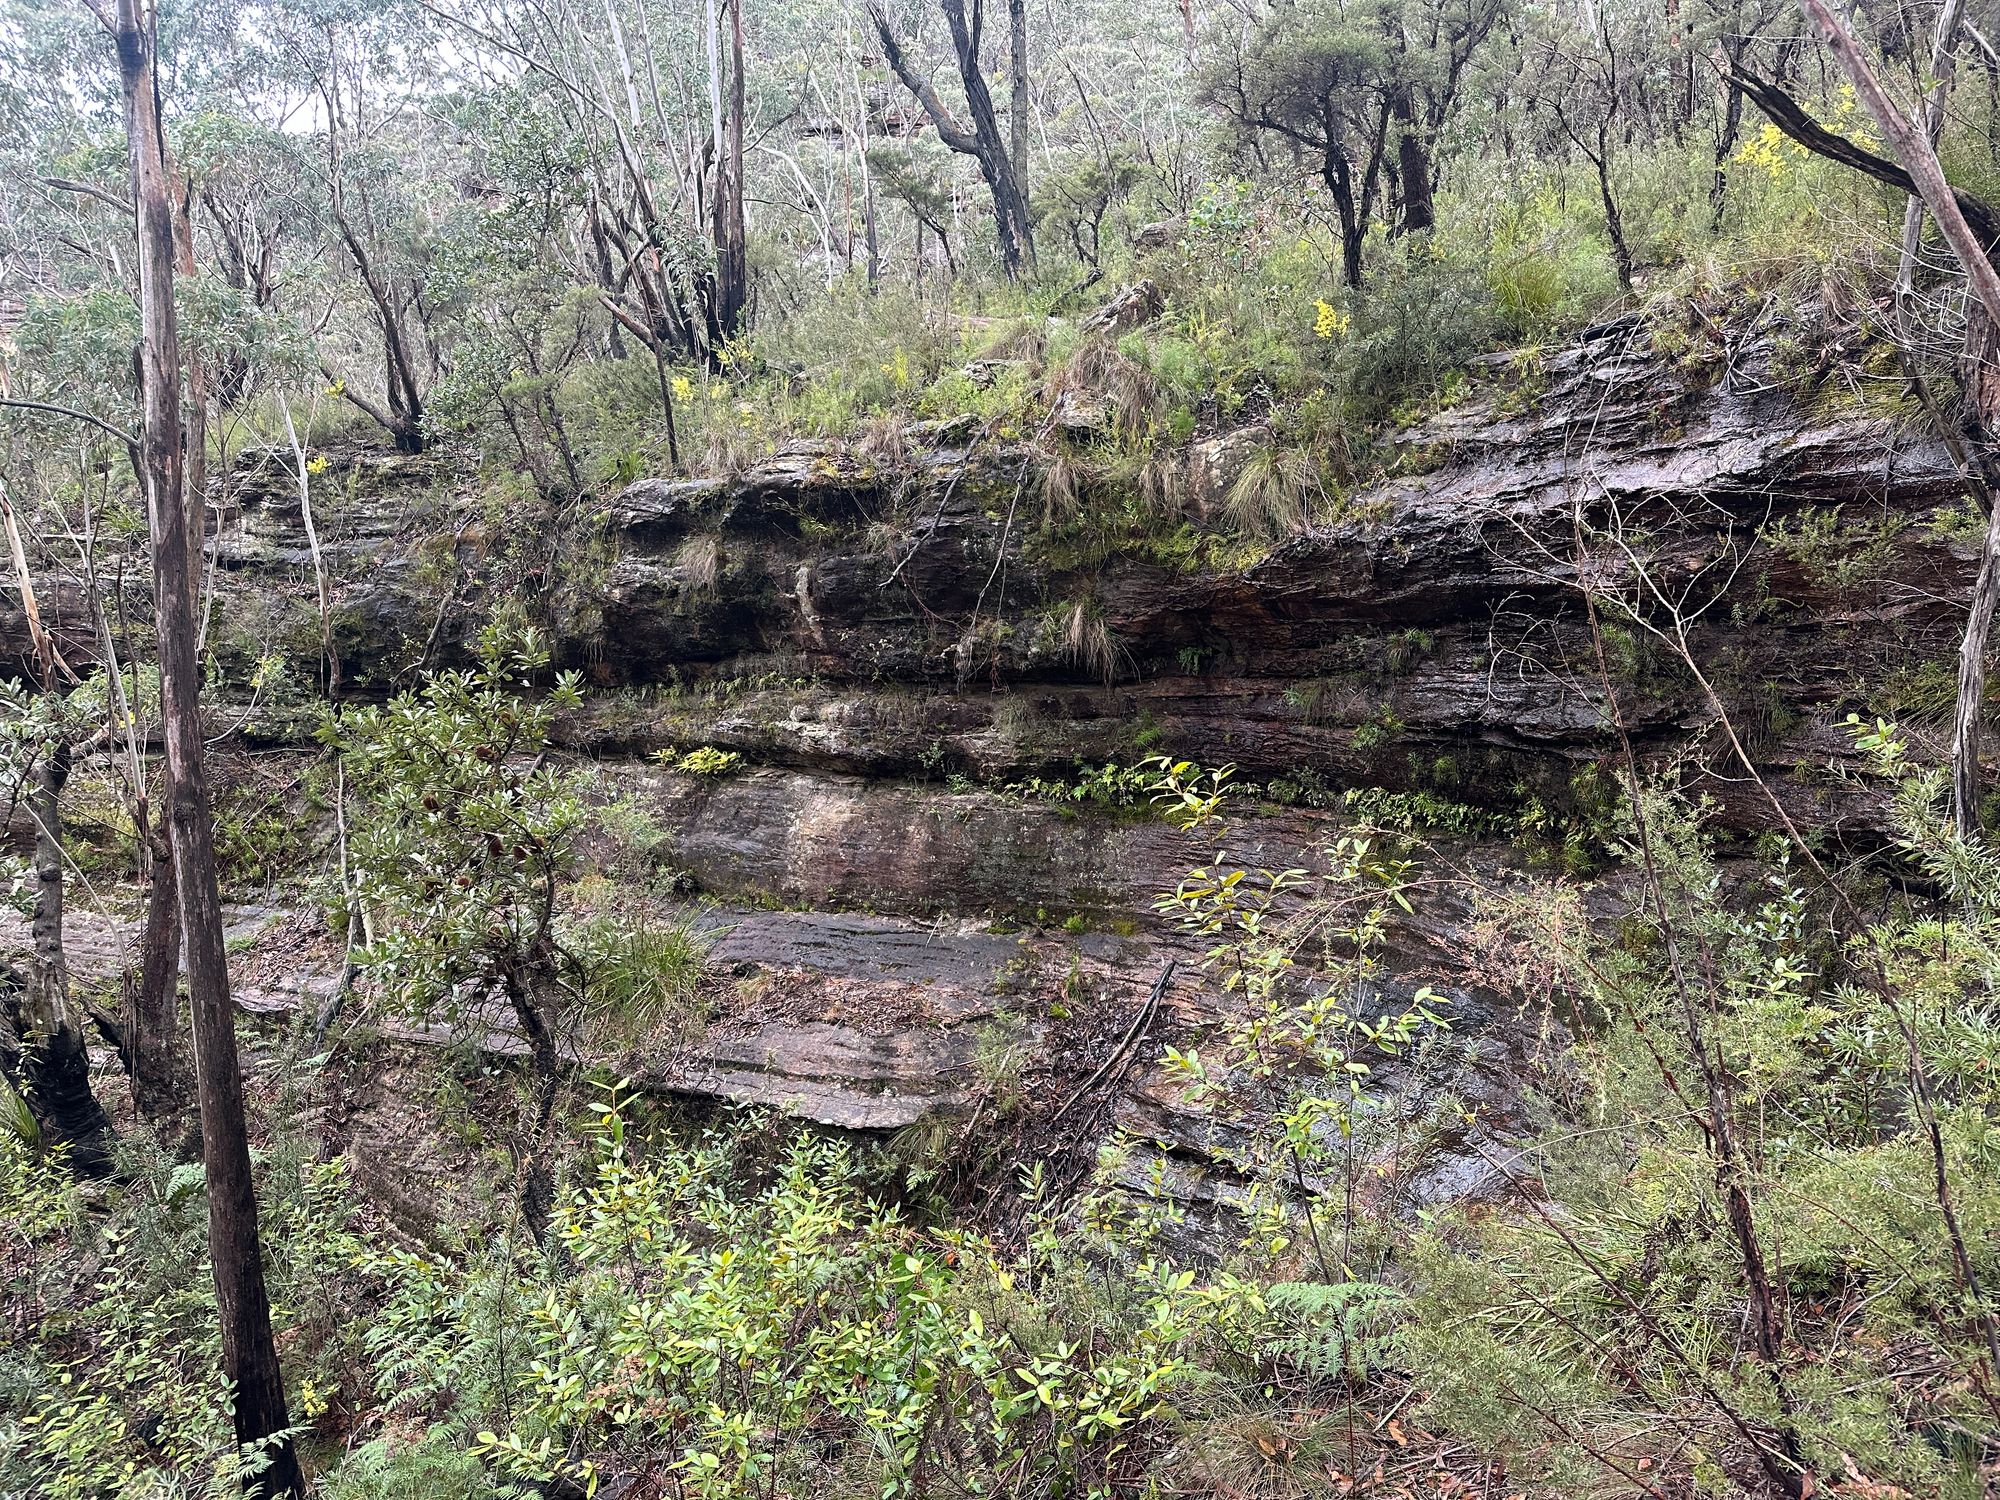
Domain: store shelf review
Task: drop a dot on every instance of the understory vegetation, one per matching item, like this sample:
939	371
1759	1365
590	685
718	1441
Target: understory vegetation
1747	1237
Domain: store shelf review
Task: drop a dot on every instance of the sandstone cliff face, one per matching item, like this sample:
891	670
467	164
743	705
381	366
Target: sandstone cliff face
889	637
906	614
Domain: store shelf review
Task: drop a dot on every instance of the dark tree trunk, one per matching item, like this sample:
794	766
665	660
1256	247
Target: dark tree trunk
1725	139
524	984
982	142
1614	221
249	1354
54	1058
1010	203
1413	166
731	254
152	1026
404	418
1338	176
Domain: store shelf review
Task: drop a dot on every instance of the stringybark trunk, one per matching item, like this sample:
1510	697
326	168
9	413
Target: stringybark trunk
1413	166
1019	96
732	264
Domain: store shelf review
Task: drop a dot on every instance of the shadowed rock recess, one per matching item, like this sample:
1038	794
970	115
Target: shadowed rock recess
891	636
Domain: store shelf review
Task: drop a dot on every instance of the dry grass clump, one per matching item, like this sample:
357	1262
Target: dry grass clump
1098	369
882	441
1268	498
1064	482
1084	640
699	563
1162	483
730	450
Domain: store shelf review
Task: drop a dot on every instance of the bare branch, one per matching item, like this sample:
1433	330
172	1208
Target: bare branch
74	415
89	190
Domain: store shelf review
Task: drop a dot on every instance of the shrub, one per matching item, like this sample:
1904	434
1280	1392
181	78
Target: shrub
1419	318
761	1335
1575	1342
709	763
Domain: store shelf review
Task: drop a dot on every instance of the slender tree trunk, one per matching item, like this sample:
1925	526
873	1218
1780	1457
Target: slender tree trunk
731	250
152	1010
1980	351
982	142
545	1066
55	1060
1971	703
1010	201
1725	147
726	189
194	441
329	653
1614	221
1019	96
868	223
249	1354
1339	179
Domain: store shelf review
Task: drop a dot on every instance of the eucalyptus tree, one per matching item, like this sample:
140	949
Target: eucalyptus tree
249	1353
1001	163
381	188
1578	80
1362	91
1315	78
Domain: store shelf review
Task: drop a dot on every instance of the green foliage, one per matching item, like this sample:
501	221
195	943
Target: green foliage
465	834
1342	1331
432	1466
1108	786
114	1385
1546	278
708	762
1420	318
1378	730
1300	950
1807	1023
753	1335
1411	812
1835	551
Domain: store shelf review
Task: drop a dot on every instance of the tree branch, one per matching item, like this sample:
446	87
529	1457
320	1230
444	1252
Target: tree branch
89	190
949	130
74	415
1788	115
